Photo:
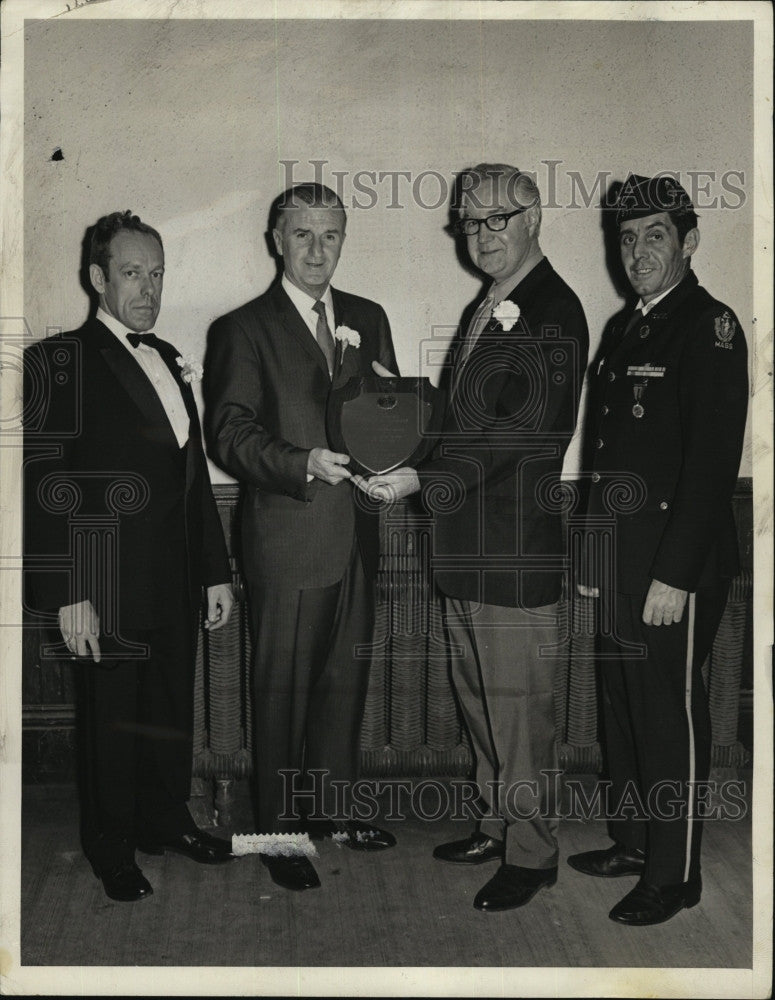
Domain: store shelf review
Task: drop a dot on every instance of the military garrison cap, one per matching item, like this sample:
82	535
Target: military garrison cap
640	196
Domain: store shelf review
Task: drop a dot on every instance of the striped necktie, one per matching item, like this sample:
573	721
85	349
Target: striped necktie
479	321
323	336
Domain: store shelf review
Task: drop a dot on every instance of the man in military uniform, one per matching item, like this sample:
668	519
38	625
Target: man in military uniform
668	398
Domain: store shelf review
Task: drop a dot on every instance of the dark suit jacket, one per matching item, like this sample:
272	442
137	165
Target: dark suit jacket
93	420
498	533
676	465
266	389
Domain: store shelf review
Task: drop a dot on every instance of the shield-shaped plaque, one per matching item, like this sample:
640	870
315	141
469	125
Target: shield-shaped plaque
384	423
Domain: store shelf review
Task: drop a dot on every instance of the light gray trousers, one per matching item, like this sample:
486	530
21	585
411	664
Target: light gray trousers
504	682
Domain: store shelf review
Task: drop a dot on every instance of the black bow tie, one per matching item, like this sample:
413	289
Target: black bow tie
149	339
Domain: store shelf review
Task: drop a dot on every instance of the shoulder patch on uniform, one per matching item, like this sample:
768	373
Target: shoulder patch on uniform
725	327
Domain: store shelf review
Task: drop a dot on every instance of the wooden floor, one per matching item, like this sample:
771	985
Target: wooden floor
392	908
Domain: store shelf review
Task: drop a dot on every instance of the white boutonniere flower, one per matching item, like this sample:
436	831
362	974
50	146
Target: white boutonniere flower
348	337
507	313
191	369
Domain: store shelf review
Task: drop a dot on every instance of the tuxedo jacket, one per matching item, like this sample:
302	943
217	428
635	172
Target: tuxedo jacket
668	397
266	390
492	482
100	454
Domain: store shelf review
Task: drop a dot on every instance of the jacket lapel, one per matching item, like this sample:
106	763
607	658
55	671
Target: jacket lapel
672	301
341	318
522	297
169	355
646	326
292	323
133	380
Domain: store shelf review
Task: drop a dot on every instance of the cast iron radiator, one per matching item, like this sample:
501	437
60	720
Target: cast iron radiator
411	724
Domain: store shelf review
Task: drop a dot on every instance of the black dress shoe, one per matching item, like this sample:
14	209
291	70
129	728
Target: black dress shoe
295	873
611	863
126	883
474	850
512	886
653	904
365	837
353	833
199	846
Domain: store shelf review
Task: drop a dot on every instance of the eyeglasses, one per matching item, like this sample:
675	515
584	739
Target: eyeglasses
497	223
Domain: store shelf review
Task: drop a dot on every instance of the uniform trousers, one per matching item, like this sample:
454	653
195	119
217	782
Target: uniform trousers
504	681
309	691
657	730
136	719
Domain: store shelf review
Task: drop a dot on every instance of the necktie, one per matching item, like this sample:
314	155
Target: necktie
637	317
479	320
149	339
323	336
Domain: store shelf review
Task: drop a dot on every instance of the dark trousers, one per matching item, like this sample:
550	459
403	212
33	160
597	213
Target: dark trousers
309	691
657	731
136	731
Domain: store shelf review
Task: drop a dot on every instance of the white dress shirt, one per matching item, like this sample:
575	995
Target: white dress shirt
159	375
304	304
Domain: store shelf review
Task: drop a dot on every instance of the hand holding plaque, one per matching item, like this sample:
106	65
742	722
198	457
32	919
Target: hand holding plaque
384	423
389	486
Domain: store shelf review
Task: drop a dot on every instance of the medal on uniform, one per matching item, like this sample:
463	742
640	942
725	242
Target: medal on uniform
637	391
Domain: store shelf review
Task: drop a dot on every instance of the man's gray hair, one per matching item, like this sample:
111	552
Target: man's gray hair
520	187
310	195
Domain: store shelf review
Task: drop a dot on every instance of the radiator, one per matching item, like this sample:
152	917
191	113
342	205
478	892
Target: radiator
411	723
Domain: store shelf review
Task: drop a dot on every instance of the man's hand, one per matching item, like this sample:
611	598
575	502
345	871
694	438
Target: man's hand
664	604
586	591
80	627
391	486
382	370
220	600
328	466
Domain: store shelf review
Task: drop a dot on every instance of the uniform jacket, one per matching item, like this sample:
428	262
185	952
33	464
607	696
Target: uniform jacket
266	390
676	464
100	450
498	532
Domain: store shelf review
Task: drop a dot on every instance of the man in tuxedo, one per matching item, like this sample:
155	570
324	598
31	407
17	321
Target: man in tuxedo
498	550
668	403
121	536
308	548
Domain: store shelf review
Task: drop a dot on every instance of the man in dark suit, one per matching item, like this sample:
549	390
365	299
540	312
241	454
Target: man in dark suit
121	536
306	543
668	402
498	553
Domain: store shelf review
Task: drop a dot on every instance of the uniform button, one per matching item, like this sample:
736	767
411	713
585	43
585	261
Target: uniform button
599	443
611	376
664	505
605	411
595	477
